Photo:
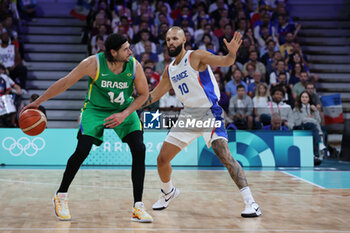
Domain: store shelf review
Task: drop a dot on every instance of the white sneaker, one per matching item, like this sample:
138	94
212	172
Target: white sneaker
251	210
60	203
139	214
165	199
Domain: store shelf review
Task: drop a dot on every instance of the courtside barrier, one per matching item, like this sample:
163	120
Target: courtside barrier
250	148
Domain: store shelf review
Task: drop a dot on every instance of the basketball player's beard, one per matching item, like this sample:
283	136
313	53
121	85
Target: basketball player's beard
120	59
176	52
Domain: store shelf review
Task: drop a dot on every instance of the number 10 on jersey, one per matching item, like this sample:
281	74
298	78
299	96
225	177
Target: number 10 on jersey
183	88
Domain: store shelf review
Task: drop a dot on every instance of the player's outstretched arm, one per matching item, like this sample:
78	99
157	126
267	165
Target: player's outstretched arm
200	58
161	89
85	67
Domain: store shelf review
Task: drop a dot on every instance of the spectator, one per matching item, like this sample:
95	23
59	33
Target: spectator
253	58
280	68
161	65
123	27
277	105
249	78
252	86
140	46
231	86
260	102
287	48
143	26
164	12
300	86
241	109
206	42
218	4
100	46
228	34
190	39
148	49
262	29
296	58
284	27
243	51
7	106
163	28
28	9
10	58
220	30
152	76
316	99
276	123
296	73
242	26
32	98
288	97
99	20
266	55
307	117
10	27
102	32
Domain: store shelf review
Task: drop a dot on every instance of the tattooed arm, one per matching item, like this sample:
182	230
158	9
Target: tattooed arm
163	87
221	150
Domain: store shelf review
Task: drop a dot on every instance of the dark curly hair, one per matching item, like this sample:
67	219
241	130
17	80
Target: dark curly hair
113	41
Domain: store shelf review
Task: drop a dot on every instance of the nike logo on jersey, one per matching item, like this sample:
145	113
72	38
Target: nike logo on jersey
105	75
117	85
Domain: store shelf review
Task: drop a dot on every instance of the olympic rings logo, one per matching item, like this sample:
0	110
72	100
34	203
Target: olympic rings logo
23	145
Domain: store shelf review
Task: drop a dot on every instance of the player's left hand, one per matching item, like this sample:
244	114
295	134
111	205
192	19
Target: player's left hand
234	44
114	120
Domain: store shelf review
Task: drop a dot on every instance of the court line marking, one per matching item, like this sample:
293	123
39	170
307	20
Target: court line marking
302	179
168	229
130	188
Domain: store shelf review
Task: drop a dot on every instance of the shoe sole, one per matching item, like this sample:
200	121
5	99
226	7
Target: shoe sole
54	210
164	207
252	215
141	220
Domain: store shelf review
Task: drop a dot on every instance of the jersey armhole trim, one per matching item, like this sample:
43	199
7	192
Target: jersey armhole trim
134	73
167	70
96	77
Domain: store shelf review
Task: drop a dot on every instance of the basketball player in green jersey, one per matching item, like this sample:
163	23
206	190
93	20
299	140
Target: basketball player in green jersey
113	75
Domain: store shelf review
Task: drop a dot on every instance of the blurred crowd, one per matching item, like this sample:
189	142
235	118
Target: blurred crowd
13	73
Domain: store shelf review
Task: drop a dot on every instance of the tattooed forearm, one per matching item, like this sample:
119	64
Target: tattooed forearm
221	150
148	101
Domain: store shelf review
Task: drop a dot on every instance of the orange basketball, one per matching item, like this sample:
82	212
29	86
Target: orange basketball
32	122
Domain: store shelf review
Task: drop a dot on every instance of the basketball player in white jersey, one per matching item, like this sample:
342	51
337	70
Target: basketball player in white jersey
194	83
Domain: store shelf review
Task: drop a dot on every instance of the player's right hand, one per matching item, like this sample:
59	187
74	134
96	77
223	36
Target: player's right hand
234	44
31	105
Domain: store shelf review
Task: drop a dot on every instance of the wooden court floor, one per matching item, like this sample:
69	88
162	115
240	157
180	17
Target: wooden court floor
100	201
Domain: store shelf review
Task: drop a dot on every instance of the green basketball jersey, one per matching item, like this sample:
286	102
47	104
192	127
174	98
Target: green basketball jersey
109	91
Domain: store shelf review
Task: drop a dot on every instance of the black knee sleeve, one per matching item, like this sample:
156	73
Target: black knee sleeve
75	161
138	151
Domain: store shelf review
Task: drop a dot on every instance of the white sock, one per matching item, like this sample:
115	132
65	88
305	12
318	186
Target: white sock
167	187
247	195
321	146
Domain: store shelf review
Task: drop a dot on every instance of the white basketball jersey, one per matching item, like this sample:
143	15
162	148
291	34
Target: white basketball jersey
7	55
193	88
